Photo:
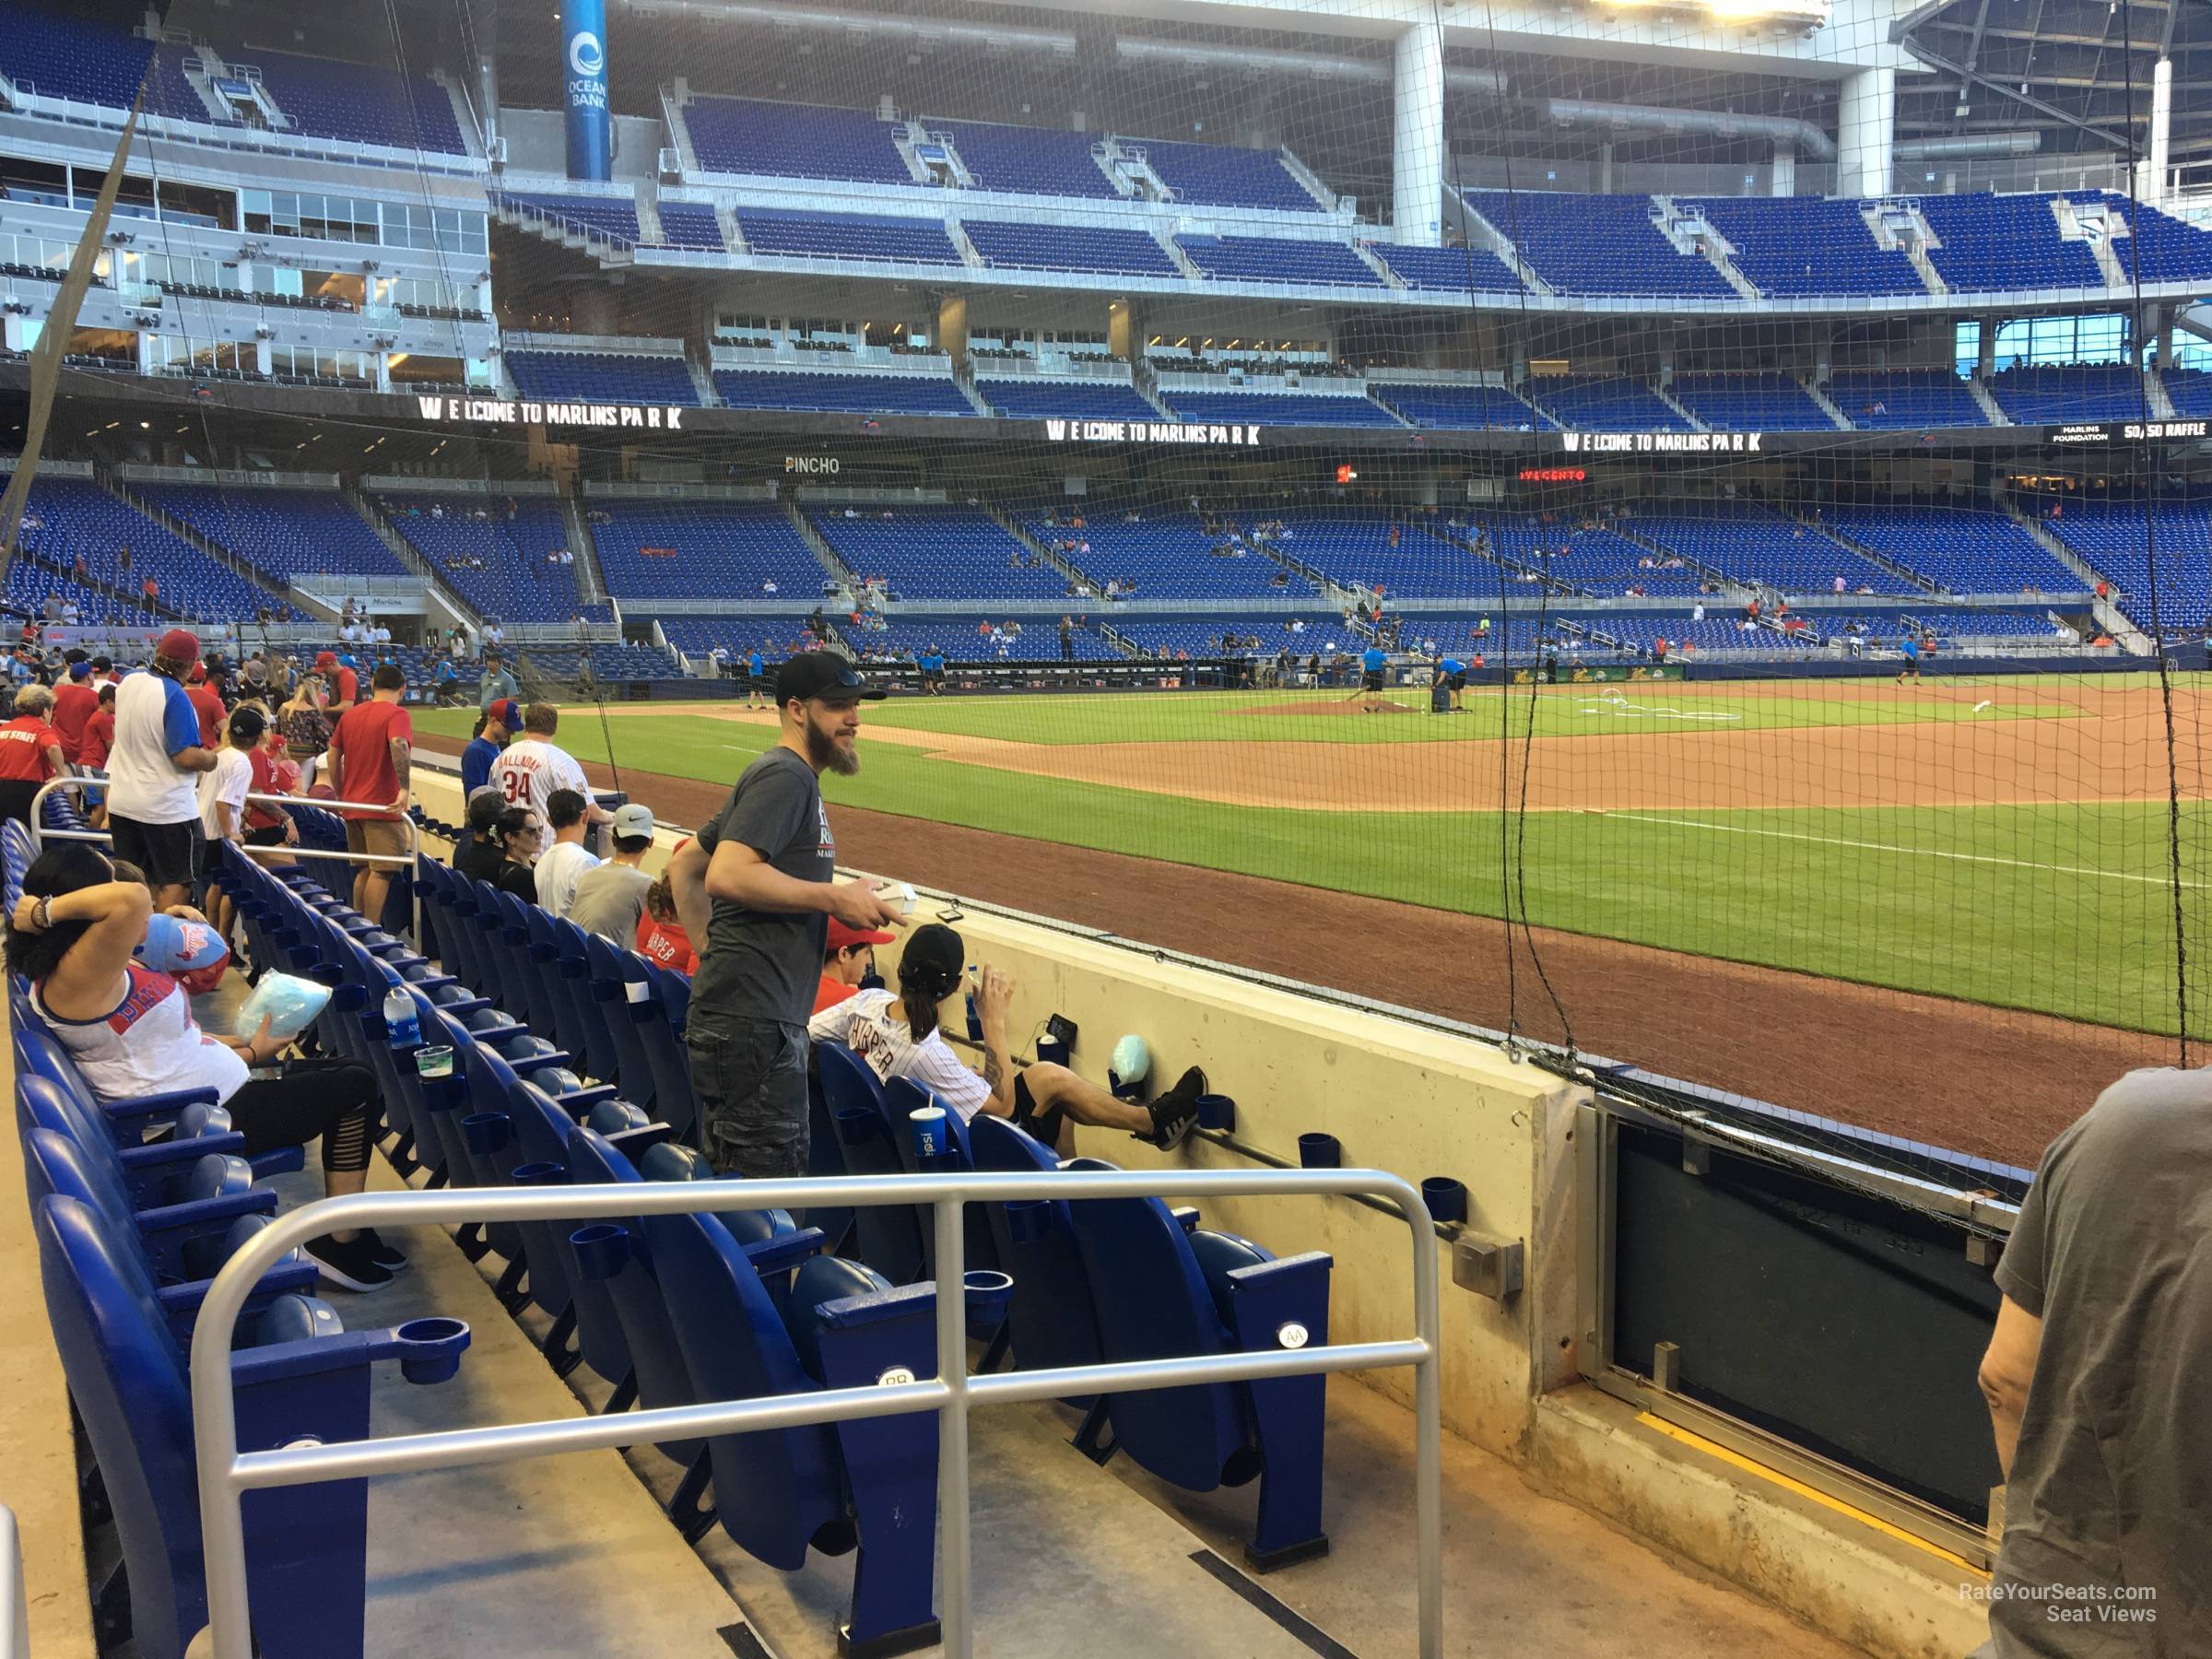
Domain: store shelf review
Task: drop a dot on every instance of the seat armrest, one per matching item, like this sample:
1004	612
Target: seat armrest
158	1155
1267	1297
166	1104
204	1212
785	1250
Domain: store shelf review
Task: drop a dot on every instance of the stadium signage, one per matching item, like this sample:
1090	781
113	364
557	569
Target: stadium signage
2132	431
648	417
1150	431
812	466
1662	443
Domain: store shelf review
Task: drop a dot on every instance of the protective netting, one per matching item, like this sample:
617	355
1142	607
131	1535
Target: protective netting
1766	456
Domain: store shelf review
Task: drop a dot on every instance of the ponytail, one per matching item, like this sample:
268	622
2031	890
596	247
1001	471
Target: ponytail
921	1011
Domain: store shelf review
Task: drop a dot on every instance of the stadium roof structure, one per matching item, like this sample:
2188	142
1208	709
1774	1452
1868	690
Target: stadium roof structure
2077	74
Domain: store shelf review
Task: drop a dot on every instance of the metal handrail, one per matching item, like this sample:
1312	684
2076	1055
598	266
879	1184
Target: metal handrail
40	835
226	1475
15	1603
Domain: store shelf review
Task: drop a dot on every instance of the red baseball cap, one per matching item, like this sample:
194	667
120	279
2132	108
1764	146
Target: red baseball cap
843	938
507	712
180	645
329	659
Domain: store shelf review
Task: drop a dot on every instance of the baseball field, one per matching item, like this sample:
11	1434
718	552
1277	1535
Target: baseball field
1799	870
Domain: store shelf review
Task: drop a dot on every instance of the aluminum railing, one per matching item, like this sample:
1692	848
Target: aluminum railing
226	1475
40	835
15	1604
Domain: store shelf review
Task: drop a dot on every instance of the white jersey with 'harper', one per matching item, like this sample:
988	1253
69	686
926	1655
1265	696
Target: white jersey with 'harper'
867	1022
529	772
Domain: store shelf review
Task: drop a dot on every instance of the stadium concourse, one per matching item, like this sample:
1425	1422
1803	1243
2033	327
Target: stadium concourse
1595	612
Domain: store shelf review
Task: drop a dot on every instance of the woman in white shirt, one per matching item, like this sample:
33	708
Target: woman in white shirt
131	1032
899	1036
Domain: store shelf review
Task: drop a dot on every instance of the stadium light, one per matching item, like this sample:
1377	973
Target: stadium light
1811	13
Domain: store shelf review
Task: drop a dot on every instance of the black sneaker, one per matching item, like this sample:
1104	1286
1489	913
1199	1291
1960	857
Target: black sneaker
390	1258
348	1266
1175	1113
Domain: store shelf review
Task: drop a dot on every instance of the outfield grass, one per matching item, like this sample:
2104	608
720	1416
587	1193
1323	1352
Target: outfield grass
2061	909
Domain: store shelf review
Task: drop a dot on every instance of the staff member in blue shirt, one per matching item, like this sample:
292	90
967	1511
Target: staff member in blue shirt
1372	661
933	671
502	719
1452	674
756	684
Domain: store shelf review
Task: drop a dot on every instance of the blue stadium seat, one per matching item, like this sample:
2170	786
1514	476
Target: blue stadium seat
779	235
1597	244
2053	394
1995	243
1602	402
870	1483
602	218
1750	402
935	552
1159	1291
1062	397
1447	270
1280	409
795	141
492	549
1030	160
1224	175
704	549
603	377
1454	407
1017	247
846	392
1904	398
1799	247
1271	259
308	1377
690	225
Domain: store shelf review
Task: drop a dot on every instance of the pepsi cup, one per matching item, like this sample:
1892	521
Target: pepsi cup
932	1139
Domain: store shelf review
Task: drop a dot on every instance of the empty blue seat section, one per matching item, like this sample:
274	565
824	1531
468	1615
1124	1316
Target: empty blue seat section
1225	176
775	636
610	218
851	394
1603	403
849	236
1750	543
1278	259
1031	160
2191	389
364	103
1968	550
1068	248
1794	246
61	55
699	549
793	141
2047	394
281	533
2169	250
1448	270
2009	242
602	377
517	582
1353	547
961	638
1885	399
1597	244
689	225
935	553
1594	560
1166	555
69	519
2117	539
1482	408
1764	401
1279	408
1057	397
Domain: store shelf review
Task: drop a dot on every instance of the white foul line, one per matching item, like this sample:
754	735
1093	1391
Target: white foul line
1837	840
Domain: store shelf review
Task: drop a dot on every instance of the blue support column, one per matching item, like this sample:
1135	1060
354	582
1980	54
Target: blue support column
584	54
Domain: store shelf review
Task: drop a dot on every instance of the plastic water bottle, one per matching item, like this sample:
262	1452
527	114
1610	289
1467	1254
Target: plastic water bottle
975	1023
403	1024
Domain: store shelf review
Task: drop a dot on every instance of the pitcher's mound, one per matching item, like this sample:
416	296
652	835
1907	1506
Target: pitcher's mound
1333	706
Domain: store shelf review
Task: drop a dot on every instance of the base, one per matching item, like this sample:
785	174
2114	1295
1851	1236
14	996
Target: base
1286	1555
889	1643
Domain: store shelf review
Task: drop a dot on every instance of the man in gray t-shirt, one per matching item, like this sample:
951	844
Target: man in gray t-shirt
754	885
611	897
2099	1385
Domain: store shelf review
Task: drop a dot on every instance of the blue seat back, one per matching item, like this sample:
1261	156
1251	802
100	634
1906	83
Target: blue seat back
1153	1303
612	973
661	1035
887	1237
572	972
1052	1321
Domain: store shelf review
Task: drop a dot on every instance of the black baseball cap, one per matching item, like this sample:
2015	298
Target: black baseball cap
930	959
823	673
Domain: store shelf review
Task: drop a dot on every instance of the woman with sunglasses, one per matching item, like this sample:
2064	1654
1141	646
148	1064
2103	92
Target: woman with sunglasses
131	1031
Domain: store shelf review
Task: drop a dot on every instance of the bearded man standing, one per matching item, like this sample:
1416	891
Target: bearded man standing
755	886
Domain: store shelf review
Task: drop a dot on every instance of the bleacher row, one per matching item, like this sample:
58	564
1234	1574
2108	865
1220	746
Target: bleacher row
1764	401
136	1203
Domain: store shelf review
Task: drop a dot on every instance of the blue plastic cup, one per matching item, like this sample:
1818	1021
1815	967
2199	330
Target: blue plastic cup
932	1138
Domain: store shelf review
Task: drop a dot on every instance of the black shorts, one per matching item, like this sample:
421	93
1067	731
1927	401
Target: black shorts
271	837
16	796
169	853
1370	682
1044	1127
1455	682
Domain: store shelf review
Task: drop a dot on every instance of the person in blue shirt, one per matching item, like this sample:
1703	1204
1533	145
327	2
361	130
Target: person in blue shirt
502	719
1912	668
447	681
933	671
756	684
1372	661
1452	674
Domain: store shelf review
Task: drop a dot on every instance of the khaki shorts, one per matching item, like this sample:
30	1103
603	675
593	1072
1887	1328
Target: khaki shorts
376	835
